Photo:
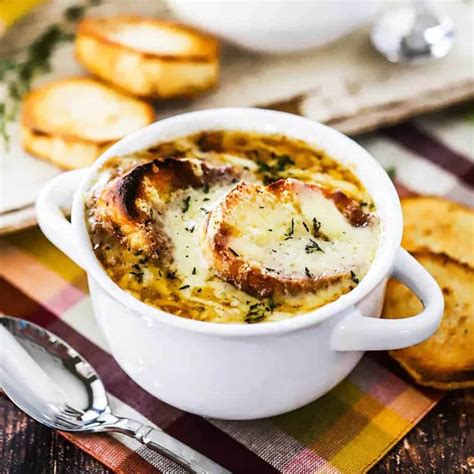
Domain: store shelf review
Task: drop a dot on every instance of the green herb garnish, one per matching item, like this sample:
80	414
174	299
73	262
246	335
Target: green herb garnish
264	167
259	311
317	230
273	169
283	161
316	226
234	252
137	274
313	246
17	74
354	278
392	172
75	13
186	202
271	304
291	230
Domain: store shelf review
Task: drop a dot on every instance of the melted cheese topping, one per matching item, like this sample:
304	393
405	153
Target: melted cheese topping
186	229
190	288
281	238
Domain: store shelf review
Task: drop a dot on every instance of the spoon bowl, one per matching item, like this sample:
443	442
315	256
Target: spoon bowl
51	382
47	378
413	35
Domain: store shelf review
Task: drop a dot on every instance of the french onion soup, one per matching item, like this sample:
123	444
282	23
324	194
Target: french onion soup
232	227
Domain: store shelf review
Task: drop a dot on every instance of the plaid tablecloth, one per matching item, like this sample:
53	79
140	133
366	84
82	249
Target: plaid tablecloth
348	430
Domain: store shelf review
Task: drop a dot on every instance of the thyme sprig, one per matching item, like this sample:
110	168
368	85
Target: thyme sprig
259	311
186	203
291	230
354	278
17	74
316	226
313	246
273	169
316	230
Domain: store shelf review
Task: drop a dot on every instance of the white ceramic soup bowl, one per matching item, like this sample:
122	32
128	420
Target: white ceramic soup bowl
238	371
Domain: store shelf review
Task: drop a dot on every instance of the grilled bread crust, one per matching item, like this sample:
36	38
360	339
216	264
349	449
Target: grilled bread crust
70	122
451	236
253	277
67	154
131	206
446	359
148	57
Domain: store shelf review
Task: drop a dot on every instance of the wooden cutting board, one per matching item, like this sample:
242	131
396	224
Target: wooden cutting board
345	84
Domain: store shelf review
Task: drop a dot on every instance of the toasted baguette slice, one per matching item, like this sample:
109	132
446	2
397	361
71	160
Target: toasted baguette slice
440	226
287	238
66	154
446	359
132	206
70	122
148	58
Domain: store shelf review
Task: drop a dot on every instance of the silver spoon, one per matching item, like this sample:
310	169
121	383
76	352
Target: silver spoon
413	35
55	385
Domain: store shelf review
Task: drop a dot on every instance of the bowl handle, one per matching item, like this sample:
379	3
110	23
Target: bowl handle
50	204
357	332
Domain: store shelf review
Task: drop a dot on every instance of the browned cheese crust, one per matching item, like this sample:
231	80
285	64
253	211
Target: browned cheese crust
131	206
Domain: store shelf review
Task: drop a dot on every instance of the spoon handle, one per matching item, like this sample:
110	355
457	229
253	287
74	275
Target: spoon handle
183	455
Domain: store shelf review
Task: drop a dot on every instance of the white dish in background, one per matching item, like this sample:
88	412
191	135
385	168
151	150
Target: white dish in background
277	26
239	371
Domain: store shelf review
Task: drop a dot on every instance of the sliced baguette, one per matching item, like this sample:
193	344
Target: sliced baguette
267	241
66	154
70	122
131	206
440	226
146	57
446	359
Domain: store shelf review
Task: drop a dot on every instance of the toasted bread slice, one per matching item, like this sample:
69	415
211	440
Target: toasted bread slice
288	237
70	122
446	359
147	57
440	226
132	206
65	153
